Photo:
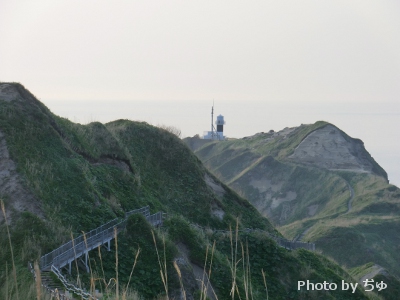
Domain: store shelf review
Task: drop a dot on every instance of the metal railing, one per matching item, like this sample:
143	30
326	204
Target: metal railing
47	260
70	287
98	236
144	211
155	219
77	247
87	244
54	293
288	244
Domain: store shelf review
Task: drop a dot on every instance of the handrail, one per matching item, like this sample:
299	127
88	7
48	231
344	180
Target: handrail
86	242
47	260
291	245
70	287
53	292
144	211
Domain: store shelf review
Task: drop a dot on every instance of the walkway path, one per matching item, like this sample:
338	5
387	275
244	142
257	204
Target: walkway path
287	244
81	245
349	207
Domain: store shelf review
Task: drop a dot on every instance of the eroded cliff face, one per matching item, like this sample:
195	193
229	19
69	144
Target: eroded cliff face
17	197
287	174
13	192
328	148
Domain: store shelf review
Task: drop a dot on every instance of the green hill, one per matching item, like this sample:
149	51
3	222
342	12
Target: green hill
315	183
58	178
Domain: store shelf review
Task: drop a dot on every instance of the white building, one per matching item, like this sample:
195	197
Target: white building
217	134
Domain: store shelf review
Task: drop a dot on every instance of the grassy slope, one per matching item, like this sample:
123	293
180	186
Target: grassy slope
367	233
85	175
240	162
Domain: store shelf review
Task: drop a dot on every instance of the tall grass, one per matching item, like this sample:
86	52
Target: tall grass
163	265
11	249
239	262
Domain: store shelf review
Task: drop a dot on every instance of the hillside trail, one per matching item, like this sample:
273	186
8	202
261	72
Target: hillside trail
349	207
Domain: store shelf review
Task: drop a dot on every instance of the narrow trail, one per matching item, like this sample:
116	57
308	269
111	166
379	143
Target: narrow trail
349	205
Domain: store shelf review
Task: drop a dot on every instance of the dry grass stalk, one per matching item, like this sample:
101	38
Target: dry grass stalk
130	275
245	278
234	261
163	269
116	264
11	249
78	280
203	285
265	282
209	271
180	279
107	285
38	281
246	271
92	279
6	279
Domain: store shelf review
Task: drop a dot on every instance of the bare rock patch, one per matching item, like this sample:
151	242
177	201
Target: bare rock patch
8	92
19	199
312	210
290	196
217	189
328	148
265	184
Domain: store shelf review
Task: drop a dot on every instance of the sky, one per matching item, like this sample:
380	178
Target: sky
265	64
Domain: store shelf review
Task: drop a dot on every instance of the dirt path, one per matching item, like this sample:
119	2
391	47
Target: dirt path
349	205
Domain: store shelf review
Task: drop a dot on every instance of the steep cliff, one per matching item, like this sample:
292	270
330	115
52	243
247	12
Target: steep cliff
315	183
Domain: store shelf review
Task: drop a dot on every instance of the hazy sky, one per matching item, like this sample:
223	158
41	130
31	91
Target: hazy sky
267	64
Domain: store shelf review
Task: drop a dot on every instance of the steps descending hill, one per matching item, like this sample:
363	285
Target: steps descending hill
49	282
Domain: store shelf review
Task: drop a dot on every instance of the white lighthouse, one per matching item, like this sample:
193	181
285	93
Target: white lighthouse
217	134
220	127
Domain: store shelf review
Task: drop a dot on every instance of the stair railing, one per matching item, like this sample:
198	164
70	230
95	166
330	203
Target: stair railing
70	287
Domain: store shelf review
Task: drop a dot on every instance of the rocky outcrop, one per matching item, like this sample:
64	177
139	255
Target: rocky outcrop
8	92
329	148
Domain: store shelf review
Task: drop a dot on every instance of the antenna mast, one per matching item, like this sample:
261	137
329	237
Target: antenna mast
216	133
212	121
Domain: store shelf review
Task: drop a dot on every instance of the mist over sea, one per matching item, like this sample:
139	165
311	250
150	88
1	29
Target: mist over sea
377	125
